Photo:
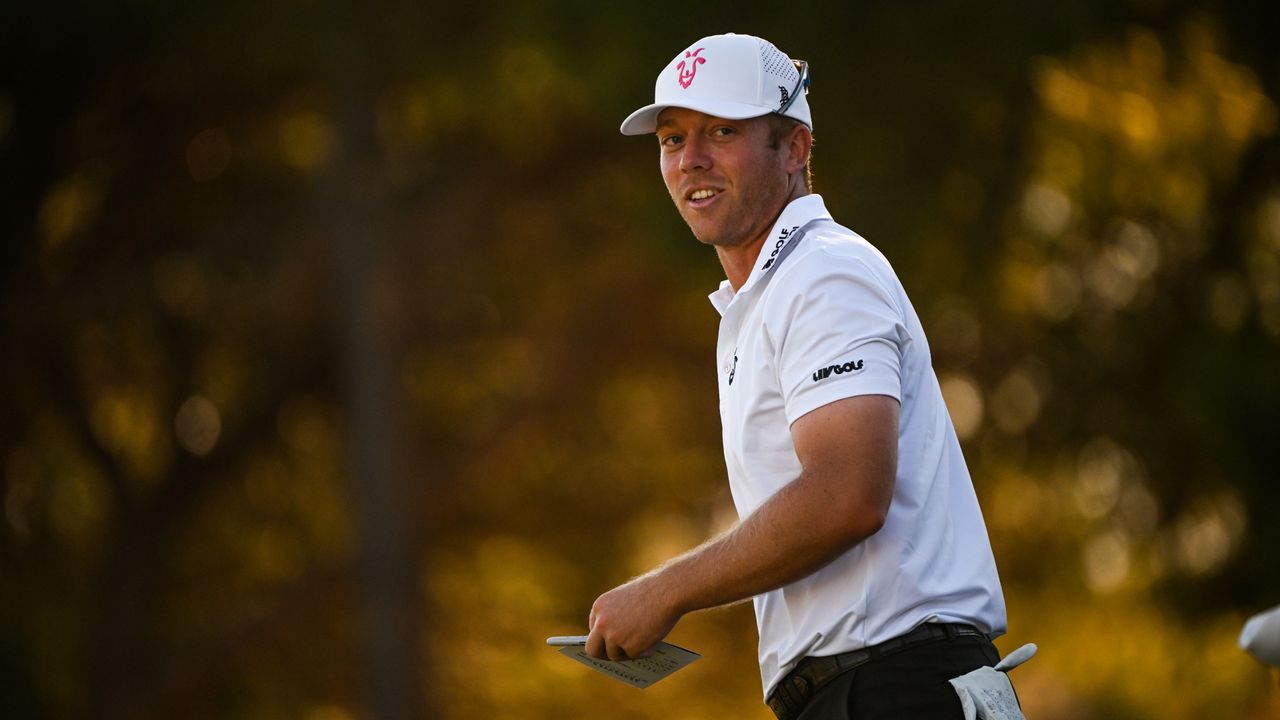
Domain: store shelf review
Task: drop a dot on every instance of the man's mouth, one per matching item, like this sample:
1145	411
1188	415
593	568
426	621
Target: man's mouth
702	197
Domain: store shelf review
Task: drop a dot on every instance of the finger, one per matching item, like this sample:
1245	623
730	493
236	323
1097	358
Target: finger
647	653
595	645
617	653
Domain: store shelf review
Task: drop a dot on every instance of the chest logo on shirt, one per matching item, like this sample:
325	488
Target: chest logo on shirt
826	372
733	370
783	235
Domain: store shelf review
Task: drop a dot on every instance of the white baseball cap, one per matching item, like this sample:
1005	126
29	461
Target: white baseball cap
728	76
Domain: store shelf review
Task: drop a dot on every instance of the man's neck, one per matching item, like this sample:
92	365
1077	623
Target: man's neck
739	260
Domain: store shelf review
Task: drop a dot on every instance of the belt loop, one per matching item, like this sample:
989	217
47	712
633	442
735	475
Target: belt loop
949	631
784	696
793	696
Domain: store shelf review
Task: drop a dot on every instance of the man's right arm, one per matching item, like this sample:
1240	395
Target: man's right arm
848	454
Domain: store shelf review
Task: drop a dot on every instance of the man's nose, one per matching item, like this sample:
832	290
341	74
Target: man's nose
694	155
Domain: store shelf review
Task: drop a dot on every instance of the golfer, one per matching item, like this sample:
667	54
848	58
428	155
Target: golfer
860	538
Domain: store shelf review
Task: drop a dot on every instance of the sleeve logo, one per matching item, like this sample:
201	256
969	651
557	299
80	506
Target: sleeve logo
824	373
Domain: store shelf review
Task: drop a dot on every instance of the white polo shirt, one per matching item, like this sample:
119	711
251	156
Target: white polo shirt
820	319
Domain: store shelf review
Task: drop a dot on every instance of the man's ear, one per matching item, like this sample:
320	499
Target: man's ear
799	145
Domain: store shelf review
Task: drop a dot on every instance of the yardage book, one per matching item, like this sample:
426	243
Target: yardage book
641	673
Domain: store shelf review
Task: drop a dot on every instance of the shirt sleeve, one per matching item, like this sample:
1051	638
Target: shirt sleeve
837	331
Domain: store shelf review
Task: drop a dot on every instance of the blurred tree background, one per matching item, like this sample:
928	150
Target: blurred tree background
349	352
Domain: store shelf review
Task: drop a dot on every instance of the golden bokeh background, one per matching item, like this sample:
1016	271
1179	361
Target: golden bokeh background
349	352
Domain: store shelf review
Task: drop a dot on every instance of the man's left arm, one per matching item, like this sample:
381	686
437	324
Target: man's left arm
848	455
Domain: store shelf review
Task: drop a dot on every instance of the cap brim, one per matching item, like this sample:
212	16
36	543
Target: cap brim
645	120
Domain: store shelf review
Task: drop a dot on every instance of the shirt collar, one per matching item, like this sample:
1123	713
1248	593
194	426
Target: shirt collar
793	216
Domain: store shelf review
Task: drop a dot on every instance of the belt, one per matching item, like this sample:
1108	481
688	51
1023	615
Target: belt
791	695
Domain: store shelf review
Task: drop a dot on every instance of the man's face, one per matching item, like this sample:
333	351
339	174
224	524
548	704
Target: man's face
727	182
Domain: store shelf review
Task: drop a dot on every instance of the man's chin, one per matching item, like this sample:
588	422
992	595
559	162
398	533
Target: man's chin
713	236
703	238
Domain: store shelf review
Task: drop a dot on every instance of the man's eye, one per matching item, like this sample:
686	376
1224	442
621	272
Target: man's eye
670	140
723	131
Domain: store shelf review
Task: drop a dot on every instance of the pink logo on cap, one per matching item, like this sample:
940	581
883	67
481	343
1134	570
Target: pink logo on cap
693	61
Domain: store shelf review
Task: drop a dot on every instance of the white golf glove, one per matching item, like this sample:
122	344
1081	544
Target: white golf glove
1261	636
987	694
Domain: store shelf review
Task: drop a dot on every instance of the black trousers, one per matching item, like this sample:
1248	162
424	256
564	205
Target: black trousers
909	685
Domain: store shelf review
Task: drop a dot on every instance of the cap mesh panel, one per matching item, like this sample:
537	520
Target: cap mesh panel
777	64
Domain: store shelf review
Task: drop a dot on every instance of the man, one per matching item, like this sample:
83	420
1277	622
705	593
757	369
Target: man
860	537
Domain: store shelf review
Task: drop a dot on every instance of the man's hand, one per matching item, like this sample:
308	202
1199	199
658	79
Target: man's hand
629	620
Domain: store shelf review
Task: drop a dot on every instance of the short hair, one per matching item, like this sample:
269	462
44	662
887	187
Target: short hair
780	125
